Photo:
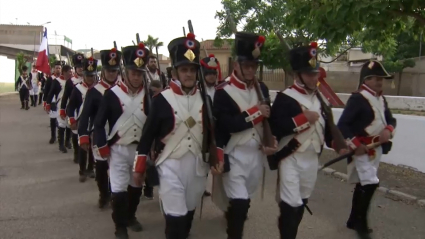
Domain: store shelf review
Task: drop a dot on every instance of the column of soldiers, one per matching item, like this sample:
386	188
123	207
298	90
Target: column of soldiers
135	134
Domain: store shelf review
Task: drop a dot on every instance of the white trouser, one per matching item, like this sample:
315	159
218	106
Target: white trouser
180	186
53	114
298	174
246	167
363	169
63	123
121	167
34	90
209	185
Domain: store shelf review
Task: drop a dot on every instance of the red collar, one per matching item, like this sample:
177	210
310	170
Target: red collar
87	86
124	88
372	92
236	82
176	88
61	77
105	84
298	88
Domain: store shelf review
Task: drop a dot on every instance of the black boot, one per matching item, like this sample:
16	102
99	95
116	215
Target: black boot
90	164
120	214
22	105
61	139
355	207
68	134
102	181
26	105
236	217
134	195
35	100
52	131
175	227
82	159
76	147
289	220
148	190
40	98
189	220
366	195
32	100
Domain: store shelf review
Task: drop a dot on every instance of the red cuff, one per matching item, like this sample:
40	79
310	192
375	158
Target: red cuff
62	112
44	103
140	164
354	143
255	115
47	107
84	139
220	154
390	128
72	120
104	151
300	120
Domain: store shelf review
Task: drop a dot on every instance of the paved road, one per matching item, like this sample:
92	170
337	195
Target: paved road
41	198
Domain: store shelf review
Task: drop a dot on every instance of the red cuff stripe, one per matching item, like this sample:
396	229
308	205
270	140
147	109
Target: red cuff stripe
72	120
84	139
140	164
220	154
104	151
390	128
44	103
258	120
47	107
62	112
356	142
252	110
300	119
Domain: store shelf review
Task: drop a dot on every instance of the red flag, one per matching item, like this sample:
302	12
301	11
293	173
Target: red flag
42	63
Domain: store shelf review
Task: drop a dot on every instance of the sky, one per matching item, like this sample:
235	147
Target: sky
98	23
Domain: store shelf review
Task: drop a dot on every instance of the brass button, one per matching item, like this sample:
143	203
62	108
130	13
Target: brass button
135	129
190	146
253	134
175	112
188	138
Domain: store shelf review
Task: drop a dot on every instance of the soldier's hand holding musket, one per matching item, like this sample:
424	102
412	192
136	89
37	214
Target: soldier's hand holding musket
218	169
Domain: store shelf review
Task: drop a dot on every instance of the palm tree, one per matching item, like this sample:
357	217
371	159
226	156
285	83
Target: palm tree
22	60
152	43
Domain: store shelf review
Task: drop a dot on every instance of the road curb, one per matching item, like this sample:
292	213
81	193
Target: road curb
8	93
394	193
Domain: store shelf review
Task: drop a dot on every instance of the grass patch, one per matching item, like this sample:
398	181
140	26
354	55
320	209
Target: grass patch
7	87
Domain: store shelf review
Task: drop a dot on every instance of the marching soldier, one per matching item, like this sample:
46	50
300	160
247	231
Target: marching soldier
77	77
110	66
298	123
73	110
211	69
23	86
125	107
53	113
366	119
175	124
239	133
35	79
54	98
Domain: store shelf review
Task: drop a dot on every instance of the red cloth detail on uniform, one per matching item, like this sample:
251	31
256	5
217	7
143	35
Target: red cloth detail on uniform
140	164
252	111
356	142
104	151
62	112
369	139
300	120
220	154
47	107
44	104
371	153
84	139
258	120
72	120
390	128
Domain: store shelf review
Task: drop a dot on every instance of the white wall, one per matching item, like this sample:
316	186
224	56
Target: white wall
7	70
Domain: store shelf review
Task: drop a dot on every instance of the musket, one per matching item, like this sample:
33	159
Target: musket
208	139
121	71
344	156
203	47
184	32
145	79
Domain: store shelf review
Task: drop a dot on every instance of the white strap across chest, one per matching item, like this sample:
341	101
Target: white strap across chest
132	107
377	103
183	128
62	84
100	88
83	90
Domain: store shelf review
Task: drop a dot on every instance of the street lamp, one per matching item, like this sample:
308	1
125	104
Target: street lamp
35	35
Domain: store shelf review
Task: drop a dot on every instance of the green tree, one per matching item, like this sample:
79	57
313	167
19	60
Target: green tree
152	43
22	60
52	60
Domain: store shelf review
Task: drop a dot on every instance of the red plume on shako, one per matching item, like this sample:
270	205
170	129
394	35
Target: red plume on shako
190	43
260	41
141	51
313	50
113	53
